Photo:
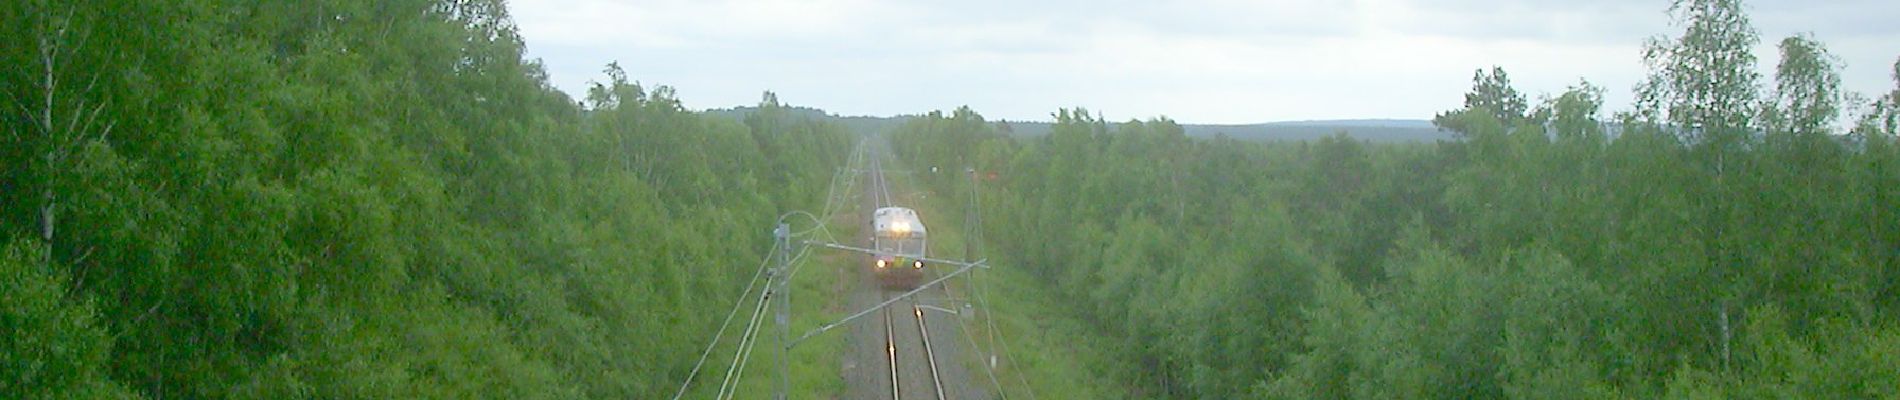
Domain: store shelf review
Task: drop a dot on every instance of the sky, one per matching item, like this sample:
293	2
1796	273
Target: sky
1195	61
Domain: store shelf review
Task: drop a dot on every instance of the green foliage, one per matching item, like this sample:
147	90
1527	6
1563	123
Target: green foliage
361	199
1331	363
1491	93
52	346
1807	89
367	199
1719	242
1703	82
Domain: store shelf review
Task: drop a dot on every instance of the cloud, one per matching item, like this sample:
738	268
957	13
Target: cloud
1556	22
607	21
1216	61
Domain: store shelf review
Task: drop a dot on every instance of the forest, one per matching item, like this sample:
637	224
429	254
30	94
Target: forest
1732	237
386	199
362	199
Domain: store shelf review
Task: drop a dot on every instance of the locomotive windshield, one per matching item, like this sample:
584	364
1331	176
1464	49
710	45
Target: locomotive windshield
908	246
898	233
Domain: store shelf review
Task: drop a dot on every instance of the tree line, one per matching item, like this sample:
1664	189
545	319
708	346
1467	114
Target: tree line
362	199
1733	236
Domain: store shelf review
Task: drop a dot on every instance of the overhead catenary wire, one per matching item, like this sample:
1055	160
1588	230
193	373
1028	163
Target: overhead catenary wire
819	224
979	290
982	297
882	190
831	192
728	322
988	368
857	156
978	287
735	372
746	342
796	265
833	199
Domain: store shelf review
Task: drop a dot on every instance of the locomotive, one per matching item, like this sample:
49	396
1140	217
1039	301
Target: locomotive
899	239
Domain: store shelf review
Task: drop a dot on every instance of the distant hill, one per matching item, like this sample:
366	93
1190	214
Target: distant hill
739	113
862	125
1377	130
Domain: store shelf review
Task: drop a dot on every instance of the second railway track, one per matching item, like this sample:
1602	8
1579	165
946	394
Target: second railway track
893	343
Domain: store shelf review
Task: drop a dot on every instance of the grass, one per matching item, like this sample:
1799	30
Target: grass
813	367
819	281
1041	351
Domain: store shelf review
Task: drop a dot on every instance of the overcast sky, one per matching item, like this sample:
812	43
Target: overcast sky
1201	61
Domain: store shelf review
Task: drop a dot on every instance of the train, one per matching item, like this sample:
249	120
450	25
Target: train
900	243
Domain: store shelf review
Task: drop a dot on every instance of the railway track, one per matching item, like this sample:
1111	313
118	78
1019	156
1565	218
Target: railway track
929	359
890	350
933	383
930	356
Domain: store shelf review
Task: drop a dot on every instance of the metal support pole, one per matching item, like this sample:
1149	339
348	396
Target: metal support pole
783	278
972	230
969	219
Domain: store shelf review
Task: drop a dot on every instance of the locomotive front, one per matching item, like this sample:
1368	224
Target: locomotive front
900	240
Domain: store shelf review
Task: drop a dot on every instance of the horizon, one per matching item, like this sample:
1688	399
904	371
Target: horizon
987	118
1209	63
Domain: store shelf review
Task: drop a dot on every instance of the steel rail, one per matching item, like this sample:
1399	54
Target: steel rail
890	352
880	306
930	356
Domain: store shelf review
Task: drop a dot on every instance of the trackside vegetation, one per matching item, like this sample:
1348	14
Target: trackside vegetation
383	199
362	199
1734	236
